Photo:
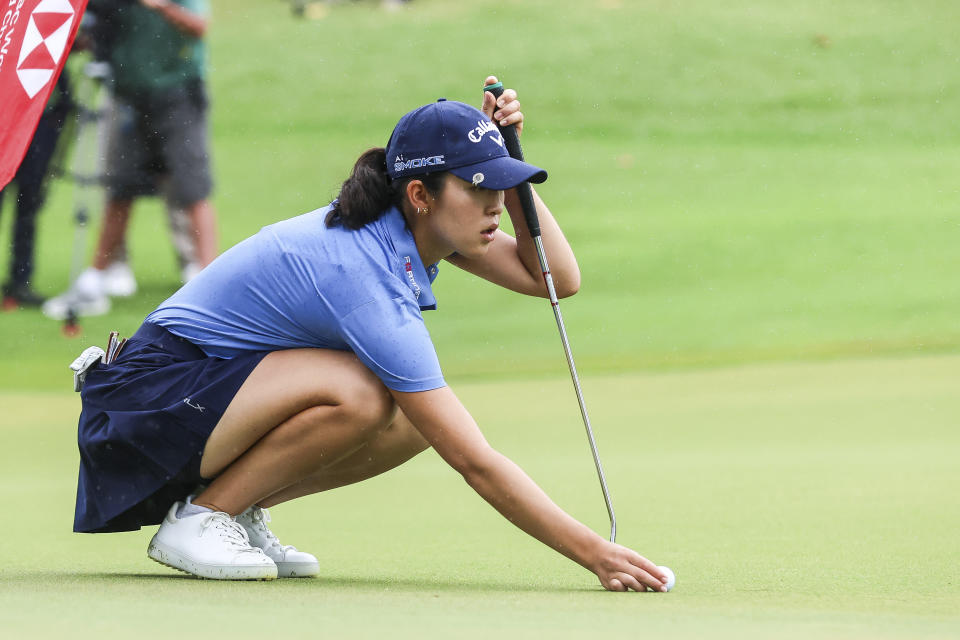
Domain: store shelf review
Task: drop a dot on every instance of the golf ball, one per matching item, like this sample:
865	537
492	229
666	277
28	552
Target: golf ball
671	579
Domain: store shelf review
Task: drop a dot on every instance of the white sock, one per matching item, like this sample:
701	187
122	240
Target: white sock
188	509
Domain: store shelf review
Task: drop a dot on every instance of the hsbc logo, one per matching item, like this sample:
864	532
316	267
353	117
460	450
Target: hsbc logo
44	41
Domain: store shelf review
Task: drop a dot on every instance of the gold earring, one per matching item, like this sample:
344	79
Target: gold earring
426	211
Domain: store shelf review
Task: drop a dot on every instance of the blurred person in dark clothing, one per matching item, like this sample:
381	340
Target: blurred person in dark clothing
31	188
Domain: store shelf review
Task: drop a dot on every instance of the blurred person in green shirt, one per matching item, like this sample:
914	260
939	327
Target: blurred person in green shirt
160	136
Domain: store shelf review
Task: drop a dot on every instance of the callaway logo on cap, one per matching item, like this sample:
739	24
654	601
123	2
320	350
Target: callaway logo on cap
455	137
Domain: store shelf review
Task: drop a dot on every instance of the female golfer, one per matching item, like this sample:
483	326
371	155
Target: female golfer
298	361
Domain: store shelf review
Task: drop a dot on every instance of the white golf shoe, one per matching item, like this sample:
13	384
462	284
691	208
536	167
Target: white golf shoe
209	545
290	562
86	297
118	280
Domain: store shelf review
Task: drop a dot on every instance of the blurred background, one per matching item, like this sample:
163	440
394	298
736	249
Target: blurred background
755	181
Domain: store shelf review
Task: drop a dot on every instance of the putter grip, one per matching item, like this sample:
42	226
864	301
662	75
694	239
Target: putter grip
524	192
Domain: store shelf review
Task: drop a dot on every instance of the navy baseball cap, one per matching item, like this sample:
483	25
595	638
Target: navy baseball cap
455	137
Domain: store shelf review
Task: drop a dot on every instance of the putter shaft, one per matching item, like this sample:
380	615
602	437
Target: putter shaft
525	194
548	279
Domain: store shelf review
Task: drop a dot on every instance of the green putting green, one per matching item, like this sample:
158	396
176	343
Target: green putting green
792	500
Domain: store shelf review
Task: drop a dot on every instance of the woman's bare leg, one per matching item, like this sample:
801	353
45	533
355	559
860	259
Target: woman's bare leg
298	412
390	448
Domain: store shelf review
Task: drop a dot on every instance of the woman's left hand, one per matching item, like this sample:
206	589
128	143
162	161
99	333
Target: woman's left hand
504	110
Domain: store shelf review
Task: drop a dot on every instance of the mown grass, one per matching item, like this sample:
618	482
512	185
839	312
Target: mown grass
759	181
792	500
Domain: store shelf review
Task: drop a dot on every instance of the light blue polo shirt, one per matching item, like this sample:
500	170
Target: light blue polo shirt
297	284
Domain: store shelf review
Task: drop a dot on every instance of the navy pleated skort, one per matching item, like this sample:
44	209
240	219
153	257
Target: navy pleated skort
145	420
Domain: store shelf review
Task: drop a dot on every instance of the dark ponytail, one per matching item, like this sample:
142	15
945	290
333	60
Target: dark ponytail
368	192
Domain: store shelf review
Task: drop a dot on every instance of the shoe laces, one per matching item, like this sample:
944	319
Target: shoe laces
259	517
231	532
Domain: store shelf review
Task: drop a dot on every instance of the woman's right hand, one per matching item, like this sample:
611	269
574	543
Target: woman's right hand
504	110
447	426
621	569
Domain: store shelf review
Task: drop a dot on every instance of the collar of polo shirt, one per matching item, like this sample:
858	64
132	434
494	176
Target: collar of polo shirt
412	270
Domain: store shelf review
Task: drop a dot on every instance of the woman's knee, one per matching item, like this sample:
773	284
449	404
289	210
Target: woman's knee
356	400
367	403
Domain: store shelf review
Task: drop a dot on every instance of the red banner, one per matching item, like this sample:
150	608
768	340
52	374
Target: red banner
35	38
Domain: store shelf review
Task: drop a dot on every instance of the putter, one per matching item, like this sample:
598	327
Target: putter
533	224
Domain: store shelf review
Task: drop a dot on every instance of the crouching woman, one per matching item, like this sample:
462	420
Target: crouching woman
298	362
